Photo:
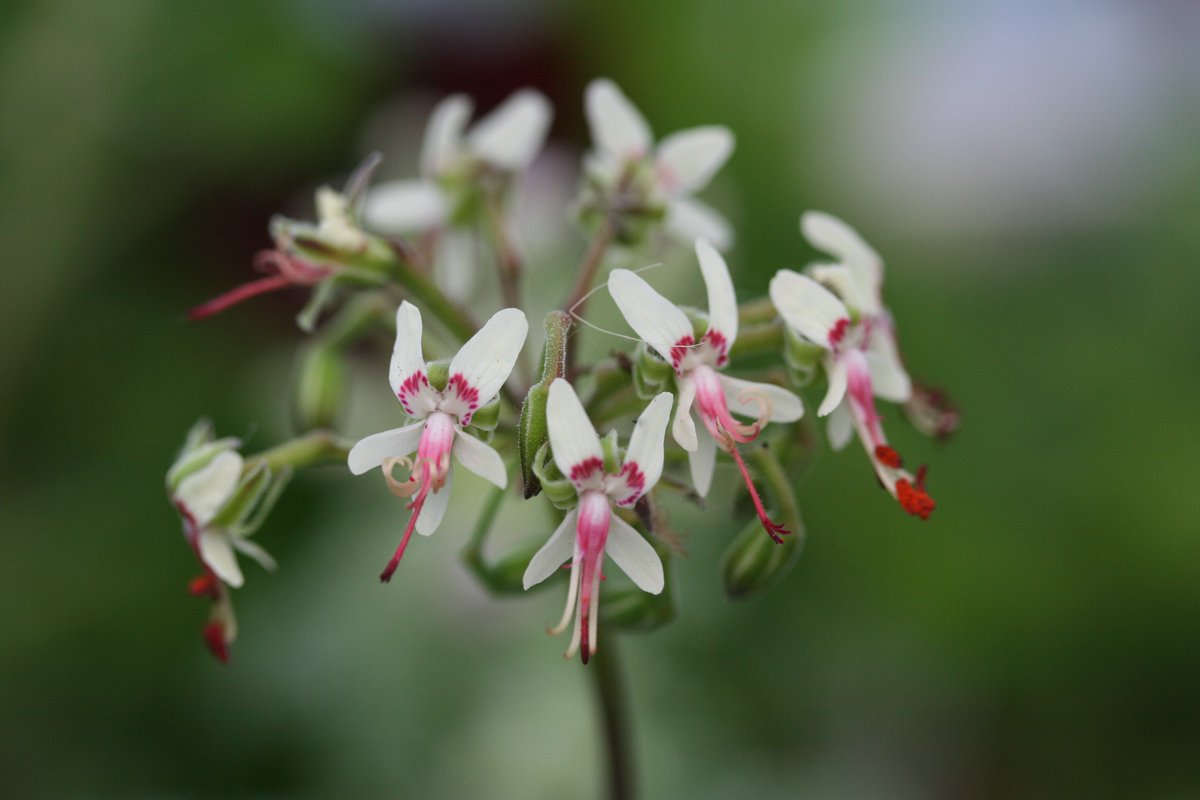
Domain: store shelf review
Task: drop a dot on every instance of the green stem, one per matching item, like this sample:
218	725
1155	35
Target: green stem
576	301
317	447
421	286
757	339
360	315
605	669
757	311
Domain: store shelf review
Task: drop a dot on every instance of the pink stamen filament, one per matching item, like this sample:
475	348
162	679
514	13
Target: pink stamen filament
428	474
289	271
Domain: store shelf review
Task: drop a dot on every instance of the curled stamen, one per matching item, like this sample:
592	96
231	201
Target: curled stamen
405	488
757	396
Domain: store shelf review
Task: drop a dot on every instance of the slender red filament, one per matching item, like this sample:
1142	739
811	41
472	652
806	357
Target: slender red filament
773	529
417	503
236	295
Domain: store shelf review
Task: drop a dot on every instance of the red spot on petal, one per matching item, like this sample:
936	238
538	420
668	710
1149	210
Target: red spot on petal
465	392
680	349
214	637
838	331
914	498
719	343
586	468
409	389
888	456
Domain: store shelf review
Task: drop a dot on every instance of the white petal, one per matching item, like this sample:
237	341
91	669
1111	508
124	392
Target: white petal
687	160
488	357
554	553
827	232
806	305
684	428
837	375
703	461
403	207
636	557
658	321
689	220
480	459
218	555
573	439
444	133
840	427
646	441
203	493
370	452
722	302
454	265
406	353
251	549
511	135
618	129
841	280
889	379
785	405
435	508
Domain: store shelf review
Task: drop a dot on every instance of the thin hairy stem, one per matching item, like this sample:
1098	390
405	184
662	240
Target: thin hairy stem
316	447
576	301
614	718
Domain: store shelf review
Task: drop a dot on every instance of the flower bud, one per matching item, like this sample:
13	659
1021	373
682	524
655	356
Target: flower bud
754	561
532	431
630	608
320	388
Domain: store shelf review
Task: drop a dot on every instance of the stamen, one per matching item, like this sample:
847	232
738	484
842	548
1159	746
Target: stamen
760	398
214	637
204	586
914	499
572	589
888	456
406	488
237	295
415	505
773	529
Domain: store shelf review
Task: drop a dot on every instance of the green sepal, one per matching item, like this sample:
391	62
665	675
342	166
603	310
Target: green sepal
558	488
257	514
801	356
320	388
198	451
322	296
630	608
650	372
485	420
256	477
612	453
438	373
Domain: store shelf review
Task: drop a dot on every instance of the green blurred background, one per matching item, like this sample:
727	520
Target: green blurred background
1028	169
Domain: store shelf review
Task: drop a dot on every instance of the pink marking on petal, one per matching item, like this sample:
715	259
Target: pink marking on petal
680	349
411	387
591	533
717	340
710	399
586	469
838	332
465	392
635	483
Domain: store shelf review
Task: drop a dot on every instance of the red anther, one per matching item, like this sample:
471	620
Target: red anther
888	456
203	586
914	500
214	637
838	331
921	470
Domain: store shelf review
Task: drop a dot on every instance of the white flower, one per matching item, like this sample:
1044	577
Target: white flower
860	360
505	141
667	329
476	375
681	165
591	529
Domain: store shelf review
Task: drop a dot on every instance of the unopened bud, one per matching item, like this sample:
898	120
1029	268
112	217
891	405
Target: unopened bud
320	388
532	431
754	561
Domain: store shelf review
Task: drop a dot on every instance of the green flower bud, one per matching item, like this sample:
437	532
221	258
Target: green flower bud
320	388
753	561
532	431
651	373
558	488
630	608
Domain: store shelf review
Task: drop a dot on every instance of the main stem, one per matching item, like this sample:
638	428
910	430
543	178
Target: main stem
605	669
576	301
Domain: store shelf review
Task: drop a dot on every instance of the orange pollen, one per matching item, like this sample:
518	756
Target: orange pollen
914	499
888	456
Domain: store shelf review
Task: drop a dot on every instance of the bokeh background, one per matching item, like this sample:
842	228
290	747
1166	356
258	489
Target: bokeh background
1030	171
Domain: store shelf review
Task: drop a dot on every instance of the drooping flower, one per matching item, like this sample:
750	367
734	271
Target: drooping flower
441	413
221	503
696	364
591	529
453	163
637	177
858	368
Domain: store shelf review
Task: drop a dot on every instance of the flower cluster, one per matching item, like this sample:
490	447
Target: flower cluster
726	378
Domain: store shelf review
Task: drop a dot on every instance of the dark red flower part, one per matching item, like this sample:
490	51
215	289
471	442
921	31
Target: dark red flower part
289	271
214	637
888	456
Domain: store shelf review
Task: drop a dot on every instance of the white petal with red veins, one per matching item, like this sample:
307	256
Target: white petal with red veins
807	306
203	493
573	439
684	428
511	136
217	553
722	302
480	459
702	461
689	220
646	441
435	507
619	130
370	452
404	207
444	133
785	405
635	556
687	160
554	553
837	375
487	358
658	321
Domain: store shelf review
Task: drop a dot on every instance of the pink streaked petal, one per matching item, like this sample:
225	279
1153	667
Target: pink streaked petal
687	160
444	134
635	556
619	131
488	357
862	398
646	442
407	359
684	428
553	554
658	321
807	306
573	440
722	302
480	459
701	462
